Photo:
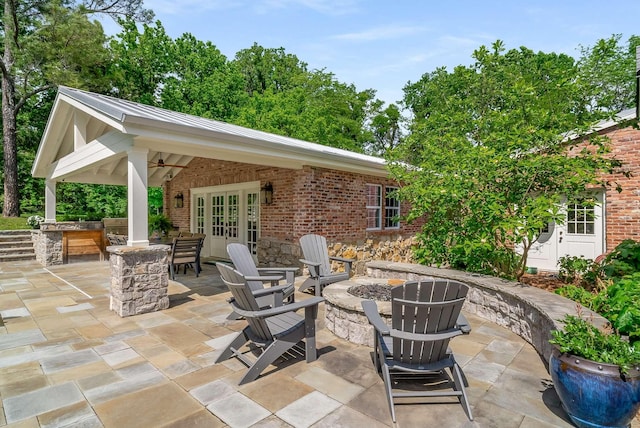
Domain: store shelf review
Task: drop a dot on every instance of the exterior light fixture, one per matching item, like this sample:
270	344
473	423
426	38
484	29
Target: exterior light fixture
178	200
266	194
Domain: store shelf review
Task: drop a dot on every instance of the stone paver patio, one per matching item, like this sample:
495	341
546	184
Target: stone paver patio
67	361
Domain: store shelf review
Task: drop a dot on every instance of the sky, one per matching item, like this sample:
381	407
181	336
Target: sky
384	44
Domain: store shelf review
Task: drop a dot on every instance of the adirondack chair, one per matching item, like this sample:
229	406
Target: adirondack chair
424	318
316	257
274	331
186	252
255	276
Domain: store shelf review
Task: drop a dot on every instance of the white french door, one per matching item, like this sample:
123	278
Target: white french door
225	227
227	214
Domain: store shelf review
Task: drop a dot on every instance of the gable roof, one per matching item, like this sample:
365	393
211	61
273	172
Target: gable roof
88	135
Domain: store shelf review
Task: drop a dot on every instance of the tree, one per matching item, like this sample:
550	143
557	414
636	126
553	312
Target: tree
488	156
47	43
202	81
141	62
607	71
287	99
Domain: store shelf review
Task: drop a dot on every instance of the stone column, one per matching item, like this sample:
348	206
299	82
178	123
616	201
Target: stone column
139	279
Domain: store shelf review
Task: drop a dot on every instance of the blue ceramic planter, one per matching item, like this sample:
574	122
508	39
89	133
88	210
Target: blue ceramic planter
595	395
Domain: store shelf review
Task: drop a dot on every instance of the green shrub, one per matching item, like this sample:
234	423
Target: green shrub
159	223
621	305
579	295
623	260
580	338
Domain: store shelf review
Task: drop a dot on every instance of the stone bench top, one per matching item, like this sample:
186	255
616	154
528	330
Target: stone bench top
488	295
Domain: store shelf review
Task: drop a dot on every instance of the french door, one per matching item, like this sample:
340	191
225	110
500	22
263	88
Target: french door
227	214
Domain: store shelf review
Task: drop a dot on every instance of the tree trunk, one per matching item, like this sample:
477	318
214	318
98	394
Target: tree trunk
11	198
9	114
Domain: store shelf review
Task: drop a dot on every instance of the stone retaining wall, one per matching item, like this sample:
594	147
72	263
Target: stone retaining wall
272	252
528	311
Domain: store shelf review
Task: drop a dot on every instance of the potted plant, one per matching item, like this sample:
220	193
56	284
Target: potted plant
159	223
34	221
595	373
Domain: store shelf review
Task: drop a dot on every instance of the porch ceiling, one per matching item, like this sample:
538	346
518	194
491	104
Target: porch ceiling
88	137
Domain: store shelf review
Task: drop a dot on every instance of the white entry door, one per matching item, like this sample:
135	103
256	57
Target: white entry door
581	235
225	225
227	214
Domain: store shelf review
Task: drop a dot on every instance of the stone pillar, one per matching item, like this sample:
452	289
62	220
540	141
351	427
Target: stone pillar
139	279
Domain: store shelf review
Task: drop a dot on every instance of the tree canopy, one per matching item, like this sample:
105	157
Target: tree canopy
48	43
488	154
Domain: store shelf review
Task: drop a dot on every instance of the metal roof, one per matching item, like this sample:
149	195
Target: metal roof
111	122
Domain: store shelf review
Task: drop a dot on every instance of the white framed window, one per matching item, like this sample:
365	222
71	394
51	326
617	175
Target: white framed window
581	218
374	206
391	208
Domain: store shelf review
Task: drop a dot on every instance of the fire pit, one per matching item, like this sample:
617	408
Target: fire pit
343	312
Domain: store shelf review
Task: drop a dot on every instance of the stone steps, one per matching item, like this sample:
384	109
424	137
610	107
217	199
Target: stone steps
16	245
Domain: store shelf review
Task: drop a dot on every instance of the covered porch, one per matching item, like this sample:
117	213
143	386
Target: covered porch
92	138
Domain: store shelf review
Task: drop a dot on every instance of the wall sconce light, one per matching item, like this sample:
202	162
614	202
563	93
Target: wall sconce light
266	194
178	200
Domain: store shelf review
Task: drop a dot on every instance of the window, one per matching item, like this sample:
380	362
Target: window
391	208
374	206
581	219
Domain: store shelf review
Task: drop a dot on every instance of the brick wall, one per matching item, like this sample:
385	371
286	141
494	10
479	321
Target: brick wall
622	215
309	200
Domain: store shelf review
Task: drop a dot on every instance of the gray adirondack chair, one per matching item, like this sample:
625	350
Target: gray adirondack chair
186	252
316	257
256	277
424	318
274	331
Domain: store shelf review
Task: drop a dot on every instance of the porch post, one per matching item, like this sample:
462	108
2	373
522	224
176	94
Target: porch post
138	206
50	201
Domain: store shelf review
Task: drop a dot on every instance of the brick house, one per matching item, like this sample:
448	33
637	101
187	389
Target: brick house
591	231
232	183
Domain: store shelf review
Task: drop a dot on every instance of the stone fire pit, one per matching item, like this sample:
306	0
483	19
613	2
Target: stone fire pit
343	312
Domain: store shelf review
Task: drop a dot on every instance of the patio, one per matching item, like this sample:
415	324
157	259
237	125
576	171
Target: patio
66	360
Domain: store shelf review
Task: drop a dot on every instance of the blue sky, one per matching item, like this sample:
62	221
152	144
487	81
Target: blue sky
383	44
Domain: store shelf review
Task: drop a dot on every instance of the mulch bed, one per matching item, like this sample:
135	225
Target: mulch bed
544	281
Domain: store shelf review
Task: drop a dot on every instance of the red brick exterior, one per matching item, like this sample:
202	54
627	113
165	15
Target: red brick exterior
622	209
309	200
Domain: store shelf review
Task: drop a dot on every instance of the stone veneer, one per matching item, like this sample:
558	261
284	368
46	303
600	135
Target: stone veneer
343	314
139	279
47	241
272	252
47	246
530	312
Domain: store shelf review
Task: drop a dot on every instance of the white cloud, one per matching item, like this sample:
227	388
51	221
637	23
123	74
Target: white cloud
381	33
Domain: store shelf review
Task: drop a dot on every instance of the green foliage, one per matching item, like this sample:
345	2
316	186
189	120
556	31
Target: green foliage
607	71
487	160
580	295
621	305
579	271
623	260
159	223
45	44
582	339
90	201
